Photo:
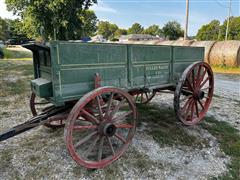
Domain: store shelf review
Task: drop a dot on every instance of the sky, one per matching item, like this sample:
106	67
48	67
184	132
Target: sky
147	12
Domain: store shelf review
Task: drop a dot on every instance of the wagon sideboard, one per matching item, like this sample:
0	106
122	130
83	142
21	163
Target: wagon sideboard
64	71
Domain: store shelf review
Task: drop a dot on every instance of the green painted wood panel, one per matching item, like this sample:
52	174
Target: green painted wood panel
183	57
150	65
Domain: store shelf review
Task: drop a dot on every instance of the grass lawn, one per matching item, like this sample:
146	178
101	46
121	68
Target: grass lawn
226	69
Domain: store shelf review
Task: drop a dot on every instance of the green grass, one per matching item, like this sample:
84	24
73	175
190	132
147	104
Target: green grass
229	139
226	69
165	129
10	54
14	78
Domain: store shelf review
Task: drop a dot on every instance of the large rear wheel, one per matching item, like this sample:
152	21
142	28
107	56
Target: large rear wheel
100	127
193	93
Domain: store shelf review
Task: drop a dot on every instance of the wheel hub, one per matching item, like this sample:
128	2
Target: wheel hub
201	94
107	129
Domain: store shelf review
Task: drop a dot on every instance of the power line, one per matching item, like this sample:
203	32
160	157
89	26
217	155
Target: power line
220	4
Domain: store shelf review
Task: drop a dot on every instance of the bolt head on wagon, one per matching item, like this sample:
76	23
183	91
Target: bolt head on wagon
93	90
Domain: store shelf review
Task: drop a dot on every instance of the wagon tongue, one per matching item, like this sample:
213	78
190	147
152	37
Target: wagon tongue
32	123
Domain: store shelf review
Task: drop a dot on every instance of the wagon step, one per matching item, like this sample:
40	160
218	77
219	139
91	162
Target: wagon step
34	122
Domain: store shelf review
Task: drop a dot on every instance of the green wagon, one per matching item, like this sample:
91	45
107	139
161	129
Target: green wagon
92	90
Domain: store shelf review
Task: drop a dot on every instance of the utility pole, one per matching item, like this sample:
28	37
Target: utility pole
186	25
228	21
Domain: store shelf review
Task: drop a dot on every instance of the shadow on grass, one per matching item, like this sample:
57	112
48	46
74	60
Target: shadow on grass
165	129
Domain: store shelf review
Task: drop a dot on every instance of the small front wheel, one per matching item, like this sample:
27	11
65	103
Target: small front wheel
193	93
38	106
100	127
144	97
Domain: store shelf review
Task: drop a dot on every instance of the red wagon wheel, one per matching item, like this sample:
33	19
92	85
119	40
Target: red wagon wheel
144	97
193	93
38	105
100	127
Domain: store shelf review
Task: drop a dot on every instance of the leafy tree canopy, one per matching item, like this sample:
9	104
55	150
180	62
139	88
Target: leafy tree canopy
172	30
3	29
67	17
209	31
215	31
136	29
153	30
107	30
234	29
9	29
120	32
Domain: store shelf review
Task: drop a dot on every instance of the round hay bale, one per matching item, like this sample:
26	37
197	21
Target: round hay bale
165	43
225	53
207	45
183	43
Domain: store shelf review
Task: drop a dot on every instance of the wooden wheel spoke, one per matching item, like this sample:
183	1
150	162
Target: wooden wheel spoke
196	106
201	104
146	95
90	148
188	108
141	99
126	126
99	107
185	98
118	136
90	117
193	79
202	77
204	82
189	85
109	105
111	146
122	116
186	104
116	109
198	74
192	109
100	149
84	127
85	139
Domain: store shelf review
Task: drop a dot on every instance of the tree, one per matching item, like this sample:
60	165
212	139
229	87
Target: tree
9	29
153	30
89	20
136	29
107	30
172	30
209	31
234	29
120	32
44	17
3	29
